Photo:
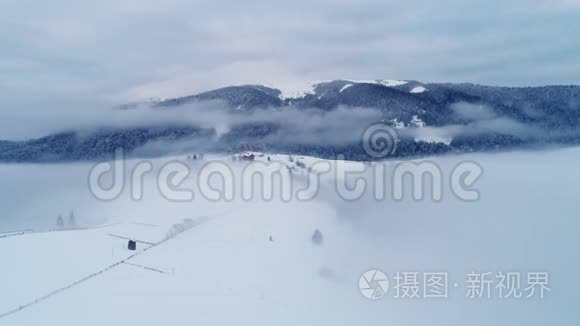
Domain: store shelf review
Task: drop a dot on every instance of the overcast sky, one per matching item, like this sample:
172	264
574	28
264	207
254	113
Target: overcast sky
54	53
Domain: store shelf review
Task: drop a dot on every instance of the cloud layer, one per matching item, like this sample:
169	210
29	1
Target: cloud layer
65	54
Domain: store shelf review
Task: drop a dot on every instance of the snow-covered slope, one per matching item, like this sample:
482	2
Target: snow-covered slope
419	89
299	90
254	263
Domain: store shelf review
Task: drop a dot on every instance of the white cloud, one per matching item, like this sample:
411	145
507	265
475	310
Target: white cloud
124	50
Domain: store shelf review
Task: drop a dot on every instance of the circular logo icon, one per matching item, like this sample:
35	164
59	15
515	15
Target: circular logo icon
380	140
373	284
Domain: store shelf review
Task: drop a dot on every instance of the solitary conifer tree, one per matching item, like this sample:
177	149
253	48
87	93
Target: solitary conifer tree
59	221
72	220
317	237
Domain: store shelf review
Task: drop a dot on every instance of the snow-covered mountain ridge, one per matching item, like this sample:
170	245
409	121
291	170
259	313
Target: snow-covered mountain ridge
431	118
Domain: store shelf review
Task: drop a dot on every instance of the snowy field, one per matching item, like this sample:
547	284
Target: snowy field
253	262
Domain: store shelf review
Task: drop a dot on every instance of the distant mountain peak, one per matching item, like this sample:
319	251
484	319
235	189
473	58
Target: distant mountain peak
302	89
